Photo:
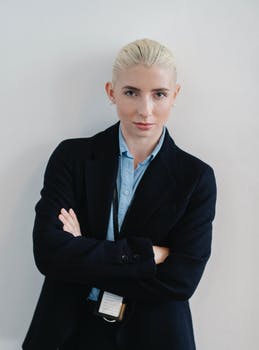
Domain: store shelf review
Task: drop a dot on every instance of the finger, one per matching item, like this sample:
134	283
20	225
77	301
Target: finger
70	230
66	223
67	229
71	220
76	222
71	211
68	217
66	214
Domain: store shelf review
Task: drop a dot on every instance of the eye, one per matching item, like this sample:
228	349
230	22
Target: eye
160	94
130	93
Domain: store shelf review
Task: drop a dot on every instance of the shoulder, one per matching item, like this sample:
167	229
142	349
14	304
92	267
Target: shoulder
195	170
187	169
190	162
181	159
83	146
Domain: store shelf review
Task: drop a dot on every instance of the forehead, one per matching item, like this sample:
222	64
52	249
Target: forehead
146	78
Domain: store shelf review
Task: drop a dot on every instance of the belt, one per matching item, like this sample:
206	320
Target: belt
93	305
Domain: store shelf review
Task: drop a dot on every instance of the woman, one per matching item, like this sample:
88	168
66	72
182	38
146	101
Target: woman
123	228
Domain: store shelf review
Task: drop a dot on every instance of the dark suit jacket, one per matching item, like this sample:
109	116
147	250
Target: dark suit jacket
174	206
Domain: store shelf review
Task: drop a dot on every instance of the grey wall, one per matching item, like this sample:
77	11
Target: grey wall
55	59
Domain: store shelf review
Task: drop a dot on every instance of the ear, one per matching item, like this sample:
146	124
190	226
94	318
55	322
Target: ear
109	91
176	91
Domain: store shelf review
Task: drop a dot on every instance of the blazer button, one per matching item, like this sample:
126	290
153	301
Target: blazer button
136	256
124	258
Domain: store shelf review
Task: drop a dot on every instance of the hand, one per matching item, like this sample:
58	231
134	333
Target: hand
161	253
70	222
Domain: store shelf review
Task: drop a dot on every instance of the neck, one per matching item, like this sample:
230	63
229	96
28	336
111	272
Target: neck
140	147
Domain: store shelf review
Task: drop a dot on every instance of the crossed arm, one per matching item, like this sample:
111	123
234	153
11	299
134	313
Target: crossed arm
71	224
61	253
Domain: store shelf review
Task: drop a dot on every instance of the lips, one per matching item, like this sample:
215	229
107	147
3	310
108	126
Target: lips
144	126
141	123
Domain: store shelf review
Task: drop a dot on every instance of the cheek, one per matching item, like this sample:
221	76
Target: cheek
163	110
125	109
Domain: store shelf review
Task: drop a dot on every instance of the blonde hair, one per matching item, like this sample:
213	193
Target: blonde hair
143	51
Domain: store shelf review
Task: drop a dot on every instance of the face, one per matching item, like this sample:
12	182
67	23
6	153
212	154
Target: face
144	97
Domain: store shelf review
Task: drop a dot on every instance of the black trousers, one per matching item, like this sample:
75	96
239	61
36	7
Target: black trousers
93	332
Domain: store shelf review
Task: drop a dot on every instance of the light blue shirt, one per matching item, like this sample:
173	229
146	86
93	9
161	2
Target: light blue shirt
127	181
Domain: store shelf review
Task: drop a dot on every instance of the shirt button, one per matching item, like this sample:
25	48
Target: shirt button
126	192
124	258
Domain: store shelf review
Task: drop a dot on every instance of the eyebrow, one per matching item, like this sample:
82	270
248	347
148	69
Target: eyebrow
136	89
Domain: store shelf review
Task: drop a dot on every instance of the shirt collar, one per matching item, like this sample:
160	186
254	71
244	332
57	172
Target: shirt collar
125	151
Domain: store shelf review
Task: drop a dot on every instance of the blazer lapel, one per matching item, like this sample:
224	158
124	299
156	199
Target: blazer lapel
157	185
101	172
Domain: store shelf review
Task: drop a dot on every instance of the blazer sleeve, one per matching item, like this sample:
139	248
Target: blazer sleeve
190	248
61	256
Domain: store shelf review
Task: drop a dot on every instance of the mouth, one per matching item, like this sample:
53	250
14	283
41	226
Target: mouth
144	126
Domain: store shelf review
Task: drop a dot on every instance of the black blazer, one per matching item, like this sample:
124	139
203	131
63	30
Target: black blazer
174	206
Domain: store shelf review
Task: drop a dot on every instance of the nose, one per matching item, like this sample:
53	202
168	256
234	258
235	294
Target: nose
145	107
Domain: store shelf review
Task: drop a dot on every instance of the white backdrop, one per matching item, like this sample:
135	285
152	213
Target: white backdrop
56	56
